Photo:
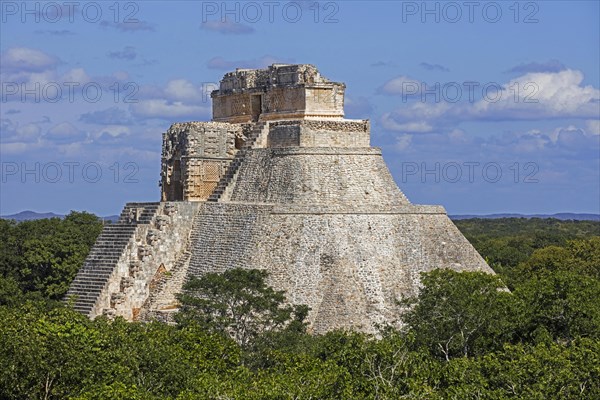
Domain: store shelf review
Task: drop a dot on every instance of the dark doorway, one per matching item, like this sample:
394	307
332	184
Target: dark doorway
256	106
176	186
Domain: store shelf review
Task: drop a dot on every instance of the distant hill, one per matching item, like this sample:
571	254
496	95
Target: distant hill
561	216
32	215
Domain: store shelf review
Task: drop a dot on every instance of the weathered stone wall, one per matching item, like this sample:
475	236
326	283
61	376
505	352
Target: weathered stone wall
316	176
325	101
228	235
286	135
319	133
349	267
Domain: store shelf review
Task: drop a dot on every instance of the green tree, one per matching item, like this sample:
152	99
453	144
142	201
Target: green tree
563	304
43	256
460	313
238	303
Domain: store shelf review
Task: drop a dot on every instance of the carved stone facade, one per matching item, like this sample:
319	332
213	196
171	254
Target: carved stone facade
195	156
288	186
279	92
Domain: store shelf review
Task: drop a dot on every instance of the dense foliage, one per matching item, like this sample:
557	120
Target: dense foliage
40	258
506	242
466	337
239	304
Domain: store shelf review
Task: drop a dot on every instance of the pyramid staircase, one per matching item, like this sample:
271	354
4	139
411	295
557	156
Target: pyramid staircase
108	249
234	165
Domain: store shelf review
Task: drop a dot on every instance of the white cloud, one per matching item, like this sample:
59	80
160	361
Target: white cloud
181	89
533	96
401	85
11	132
412	127
563	142
116	130
402	142
112	134
593	126
64	133
23	59
545	95
77	75
160	108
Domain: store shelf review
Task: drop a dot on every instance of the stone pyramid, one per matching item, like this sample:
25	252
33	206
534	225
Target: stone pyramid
278	180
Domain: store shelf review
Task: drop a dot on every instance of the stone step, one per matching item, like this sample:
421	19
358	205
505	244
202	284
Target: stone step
90	278
105	257
86	292
99	259
113	255
111	244
97	269
95	259
119	225
83	309
237	161
98	272
95	286
108	248
85	299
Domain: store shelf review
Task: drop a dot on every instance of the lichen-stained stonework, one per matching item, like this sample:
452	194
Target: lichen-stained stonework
281	183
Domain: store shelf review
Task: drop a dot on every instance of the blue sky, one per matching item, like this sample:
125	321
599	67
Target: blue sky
482	107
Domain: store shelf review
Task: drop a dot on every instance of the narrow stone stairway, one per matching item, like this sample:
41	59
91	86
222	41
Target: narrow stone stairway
102	259
236	162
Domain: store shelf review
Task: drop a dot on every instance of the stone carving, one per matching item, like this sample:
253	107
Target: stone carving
162	222
134	268
152	237
126	283
170	209
144	253
116	299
